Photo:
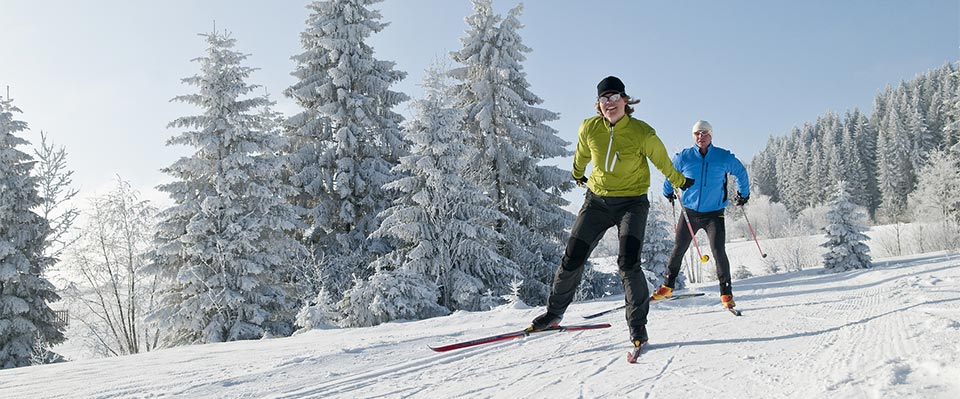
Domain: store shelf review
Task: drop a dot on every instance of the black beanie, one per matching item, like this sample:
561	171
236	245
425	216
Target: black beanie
610	83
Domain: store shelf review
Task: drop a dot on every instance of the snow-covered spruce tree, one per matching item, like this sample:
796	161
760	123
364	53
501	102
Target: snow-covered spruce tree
226	244
922	139
852	168
26	319
845	239
657	247
951	105
865	136
318	313
443	223
510	132
345	141
894	167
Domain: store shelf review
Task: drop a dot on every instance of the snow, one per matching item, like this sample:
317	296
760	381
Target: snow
889	331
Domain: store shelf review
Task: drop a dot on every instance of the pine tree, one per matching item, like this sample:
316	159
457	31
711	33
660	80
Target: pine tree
865	137
657	247
443	222
895	170
851	166
922	139
26	320
763	169
819	171
345	141
512	138
318	313
951	99
845	239
226	247
390	294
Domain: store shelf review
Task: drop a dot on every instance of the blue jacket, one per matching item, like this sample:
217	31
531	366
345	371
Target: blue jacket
709	190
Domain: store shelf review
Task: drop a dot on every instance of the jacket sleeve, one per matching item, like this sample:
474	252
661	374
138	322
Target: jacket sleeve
582	154
657	154
737	169
667	186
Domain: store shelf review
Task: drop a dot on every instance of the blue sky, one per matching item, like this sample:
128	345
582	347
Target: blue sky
98	75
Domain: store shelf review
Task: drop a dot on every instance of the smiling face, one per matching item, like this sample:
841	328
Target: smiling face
612	106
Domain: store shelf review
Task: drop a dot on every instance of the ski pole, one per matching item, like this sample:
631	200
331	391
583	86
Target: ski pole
673	205
683	211
763	255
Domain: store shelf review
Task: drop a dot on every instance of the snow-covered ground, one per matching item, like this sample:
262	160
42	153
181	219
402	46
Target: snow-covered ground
891	331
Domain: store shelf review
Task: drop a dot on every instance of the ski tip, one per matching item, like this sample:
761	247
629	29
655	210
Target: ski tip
445	348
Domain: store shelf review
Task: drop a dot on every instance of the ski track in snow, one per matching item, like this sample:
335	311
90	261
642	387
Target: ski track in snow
891	331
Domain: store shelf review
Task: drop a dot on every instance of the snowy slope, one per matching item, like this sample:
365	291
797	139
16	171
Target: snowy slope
892	331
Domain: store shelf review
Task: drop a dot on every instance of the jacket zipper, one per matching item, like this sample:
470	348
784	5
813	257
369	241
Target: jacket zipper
609	165
703	172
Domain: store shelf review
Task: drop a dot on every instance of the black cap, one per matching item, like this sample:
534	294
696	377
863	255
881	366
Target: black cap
610	83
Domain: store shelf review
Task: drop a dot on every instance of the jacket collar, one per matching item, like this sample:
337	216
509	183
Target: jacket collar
620	123
697	150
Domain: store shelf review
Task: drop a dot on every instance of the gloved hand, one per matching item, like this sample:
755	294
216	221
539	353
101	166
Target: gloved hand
581	181
741	200
687	183
671	197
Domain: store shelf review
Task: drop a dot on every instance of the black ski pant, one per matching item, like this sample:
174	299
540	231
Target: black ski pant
712	223
597	215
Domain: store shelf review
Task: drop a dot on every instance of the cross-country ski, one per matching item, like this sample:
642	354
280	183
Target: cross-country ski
515	335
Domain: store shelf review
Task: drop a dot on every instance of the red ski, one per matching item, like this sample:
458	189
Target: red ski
515	335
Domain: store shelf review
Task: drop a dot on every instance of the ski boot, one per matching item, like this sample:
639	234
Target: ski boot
544	321
638	337
727	301
663	292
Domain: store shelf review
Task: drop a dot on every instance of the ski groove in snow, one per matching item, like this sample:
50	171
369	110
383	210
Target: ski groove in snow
886	332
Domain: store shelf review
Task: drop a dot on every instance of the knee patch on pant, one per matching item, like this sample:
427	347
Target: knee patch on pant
576	253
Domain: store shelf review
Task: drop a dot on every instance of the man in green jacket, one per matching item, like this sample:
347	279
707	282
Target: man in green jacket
619	147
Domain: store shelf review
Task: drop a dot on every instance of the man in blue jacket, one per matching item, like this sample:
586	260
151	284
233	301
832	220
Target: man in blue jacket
704	203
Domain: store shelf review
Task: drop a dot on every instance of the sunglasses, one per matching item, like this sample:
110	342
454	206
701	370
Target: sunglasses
609	98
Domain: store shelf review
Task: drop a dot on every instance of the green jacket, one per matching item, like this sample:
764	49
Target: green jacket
619	154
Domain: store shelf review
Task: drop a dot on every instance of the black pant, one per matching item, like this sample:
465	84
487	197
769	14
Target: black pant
597	215
712	223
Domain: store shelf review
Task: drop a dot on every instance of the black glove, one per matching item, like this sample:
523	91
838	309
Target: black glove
581	181
741	200
687	183
671	197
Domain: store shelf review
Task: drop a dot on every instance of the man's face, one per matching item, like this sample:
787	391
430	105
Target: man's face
702	138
